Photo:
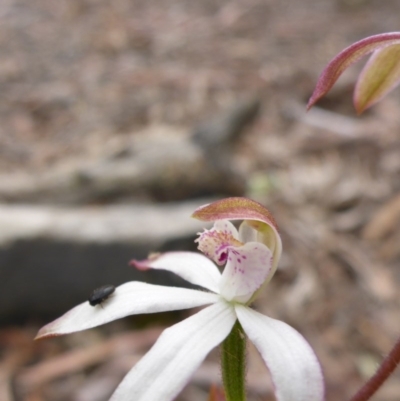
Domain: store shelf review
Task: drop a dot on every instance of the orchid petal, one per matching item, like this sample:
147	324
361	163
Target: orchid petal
246	270
254	214
294	368
128	299
380	75
347	57
191	266
163	372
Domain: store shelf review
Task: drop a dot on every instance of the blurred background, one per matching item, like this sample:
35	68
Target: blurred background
119	118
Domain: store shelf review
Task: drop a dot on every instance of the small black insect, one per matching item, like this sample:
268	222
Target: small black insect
100	294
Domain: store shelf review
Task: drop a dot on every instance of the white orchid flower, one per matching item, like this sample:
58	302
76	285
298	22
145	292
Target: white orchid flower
250	255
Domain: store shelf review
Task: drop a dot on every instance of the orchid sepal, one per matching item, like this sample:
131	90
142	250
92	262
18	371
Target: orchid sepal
379	77
131	298
162	373
295	370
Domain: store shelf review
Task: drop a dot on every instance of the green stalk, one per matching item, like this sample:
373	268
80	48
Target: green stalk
233	364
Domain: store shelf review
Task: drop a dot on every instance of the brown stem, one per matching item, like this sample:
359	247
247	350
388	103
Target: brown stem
386	368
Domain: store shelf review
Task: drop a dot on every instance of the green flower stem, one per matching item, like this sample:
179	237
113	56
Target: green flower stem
233	364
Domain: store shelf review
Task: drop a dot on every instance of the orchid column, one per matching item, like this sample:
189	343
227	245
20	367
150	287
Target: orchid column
250	257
